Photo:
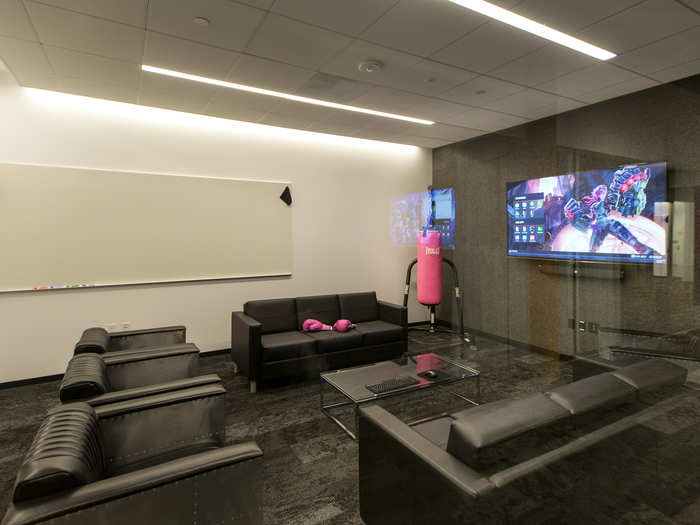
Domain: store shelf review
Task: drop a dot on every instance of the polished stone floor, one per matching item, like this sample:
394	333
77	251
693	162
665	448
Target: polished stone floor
311	464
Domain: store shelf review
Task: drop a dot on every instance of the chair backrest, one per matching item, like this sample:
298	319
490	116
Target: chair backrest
85	377
66	453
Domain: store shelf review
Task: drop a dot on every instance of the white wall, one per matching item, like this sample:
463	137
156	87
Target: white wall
341	192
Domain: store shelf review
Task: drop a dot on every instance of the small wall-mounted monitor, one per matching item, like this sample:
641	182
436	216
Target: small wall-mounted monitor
601	215
411	212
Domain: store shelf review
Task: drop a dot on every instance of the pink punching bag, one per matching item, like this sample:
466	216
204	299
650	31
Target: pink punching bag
429	268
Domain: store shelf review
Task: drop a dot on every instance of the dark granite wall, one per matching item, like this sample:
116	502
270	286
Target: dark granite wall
511	297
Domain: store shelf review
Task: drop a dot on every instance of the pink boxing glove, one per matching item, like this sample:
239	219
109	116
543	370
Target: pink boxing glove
343	325
312	325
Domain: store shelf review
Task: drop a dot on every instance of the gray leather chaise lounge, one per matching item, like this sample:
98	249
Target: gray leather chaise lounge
155	459
98	340
469	466
267	341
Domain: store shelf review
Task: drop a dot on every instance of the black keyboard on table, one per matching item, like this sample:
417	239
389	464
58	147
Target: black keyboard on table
392	384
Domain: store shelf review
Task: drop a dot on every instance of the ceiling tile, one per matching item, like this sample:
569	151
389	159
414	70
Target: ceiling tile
93	68
27	62
554	108
390	100
439	110
422	27
333	129
640	25
671	51
334	88
305	112
489	47
576	84
268	74
400	70
684	70
433	78
350	18
89	88
62	28
285	121
617	90
570	16
262	4
424	142
231	24
175	93
524	102
241	105
170	52
546	63
445	131
481	90
487	120
132	12
371	134
295	43
14	21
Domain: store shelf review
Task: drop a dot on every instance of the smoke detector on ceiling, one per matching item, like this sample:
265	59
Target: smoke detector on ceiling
201	21
370	66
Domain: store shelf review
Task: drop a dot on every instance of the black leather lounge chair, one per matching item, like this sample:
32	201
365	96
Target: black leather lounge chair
156	459
267	341
98	340
128	374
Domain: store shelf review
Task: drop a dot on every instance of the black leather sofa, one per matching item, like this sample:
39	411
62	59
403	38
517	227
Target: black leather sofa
471	465
155	459
267	341
128	374
99	340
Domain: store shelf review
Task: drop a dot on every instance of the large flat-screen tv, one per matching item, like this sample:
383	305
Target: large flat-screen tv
601	215
411	212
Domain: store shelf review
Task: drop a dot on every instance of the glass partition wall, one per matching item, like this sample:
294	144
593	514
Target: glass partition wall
568	318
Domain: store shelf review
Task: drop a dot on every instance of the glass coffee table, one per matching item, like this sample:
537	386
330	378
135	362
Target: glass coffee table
422	370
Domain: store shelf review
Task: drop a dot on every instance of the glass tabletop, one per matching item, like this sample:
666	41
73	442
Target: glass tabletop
427	369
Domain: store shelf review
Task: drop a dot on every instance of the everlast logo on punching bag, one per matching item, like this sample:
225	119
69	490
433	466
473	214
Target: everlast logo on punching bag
432	251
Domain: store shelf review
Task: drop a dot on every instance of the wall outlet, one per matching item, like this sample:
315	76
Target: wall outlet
126	325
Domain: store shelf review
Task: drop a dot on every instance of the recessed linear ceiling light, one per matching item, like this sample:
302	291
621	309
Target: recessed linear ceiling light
296	98
515	20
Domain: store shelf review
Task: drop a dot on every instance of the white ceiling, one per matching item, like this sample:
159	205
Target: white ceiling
469	74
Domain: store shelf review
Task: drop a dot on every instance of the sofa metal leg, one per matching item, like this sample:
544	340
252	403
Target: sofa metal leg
253	387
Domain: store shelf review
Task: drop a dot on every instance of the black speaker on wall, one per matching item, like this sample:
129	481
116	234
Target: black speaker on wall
286	196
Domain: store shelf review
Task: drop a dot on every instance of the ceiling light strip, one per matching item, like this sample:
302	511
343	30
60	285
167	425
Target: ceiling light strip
541	30
278	94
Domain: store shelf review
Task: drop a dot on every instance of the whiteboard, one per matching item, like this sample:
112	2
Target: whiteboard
71	227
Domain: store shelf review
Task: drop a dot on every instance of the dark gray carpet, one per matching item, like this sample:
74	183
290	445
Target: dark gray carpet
311	465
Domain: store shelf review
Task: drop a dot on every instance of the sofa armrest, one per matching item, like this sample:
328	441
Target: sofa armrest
154	494
150	390
140	367
147	337
245	344
393	313
157	426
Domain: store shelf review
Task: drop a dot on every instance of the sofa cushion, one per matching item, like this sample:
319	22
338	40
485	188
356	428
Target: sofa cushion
66	453
379	332
94	340
359	307
85	377
286	345
275	315
595	392
323	308
333	341
652	375
476	433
